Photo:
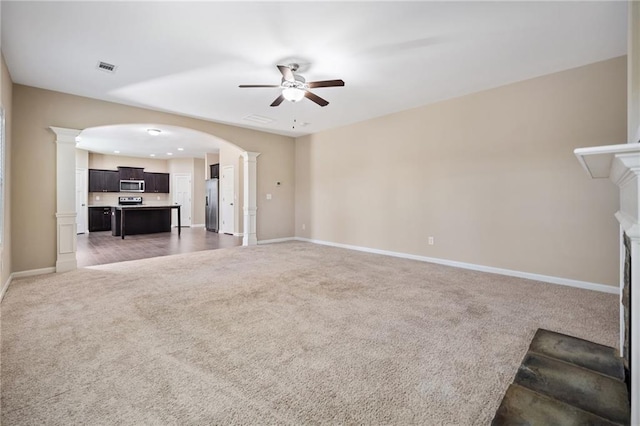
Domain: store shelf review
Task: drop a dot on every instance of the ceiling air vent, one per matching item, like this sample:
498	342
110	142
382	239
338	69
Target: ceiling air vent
258	119
110	68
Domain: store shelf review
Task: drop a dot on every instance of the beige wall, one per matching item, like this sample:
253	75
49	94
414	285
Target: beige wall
34	110
112	162
82	159
633	79
491	176
6	87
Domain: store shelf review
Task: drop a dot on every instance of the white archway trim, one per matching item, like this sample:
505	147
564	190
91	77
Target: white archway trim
66	198
250	208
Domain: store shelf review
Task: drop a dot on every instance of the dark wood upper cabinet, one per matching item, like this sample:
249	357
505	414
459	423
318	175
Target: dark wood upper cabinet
131	173
162	183
104	180
214	170
156	182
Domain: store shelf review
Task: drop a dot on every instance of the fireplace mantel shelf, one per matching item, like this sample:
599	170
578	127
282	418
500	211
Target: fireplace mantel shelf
598	160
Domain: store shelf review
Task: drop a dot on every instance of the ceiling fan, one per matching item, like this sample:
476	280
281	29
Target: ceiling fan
295	87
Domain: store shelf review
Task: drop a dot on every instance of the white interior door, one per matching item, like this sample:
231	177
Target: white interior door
81	201
227	199
182	195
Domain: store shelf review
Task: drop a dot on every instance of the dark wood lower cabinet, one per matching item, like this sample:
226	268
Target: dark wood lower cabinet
99	219
141	221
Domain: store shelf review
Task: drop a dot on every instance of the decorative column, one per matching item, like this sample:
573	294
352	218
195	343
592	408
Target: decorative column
66	228
621	164
250	200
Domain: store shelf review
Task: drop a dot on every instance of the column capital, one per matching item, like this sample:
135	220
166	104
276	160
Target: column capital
250	156
64	135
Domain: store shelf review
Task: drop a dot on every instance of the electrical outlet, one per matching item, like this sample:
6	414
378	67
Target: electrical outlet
97	198
430	241
304	226
268	196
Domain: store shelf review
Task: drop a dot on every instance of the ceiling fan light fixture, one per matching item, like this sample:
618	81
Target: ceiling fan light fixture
293	94
154	132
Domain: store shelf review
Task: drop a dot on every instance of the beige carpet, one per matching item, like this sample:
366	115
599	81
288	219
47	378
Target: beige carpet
290	333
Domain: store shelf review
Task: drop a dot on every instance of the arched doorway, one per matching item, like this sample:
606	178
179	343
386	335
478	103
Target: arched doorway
66	220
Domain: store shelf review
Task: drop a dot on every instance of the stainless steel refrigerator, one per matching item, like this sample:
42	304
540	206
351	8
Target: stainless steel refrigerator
211	205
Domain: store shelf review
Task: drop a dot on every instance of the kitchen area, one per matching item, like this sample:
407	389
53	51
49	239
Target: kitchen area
130	216
145	205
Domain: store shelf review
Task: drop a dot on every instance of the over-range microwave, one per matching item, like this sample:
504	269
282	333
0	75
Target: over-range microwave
131	186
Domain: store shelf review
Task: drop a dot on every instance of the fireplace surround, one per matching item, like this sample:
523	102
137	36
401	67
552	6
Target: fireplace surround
621	164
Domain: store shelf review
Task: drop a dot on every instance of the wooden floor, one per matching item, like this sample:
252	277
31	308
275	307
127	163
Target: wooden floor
97	248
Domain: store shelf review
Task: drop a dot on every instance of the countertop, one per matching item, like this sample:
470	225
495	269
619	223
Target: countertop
135	206
147	206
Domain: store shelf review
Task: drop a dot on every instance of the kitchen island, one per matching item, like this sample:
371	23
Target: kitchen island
142	219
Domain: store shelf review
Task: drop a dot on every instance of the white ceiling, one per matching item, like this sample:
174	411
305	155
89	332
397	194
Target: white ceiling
189	58
133	140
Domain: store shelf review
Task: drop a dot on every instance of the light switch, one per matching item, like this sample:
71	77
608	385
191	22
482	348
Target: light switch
268	196
97	198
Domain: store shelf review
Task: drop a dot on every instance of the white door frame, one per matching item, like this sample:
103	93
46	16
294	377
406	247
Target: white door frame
185	213
81	205
228	207
66	237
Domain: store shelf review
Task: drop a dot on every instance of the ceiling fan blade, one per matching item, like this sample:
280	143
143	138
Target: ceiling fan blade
315	98
278	101
286	72
243	86
325	83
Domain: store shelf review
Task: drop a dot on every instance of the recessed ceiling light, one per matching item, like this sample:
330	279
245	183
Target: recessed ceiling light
117	152
180	149
154	132
152	155
169	153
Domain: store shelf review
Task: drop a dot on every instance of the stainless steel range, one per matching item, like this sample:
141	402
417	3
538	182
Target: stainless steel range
130	201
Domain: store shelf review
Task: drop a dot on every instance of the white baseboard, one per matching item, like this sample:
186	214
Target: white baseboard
5	286
238	234
277	240
528	275
23	274
32	272
199	225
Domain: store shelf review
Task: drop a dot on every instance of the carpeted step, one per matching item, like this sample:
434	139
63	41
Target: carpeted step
588	390
522	406
600	358
564	380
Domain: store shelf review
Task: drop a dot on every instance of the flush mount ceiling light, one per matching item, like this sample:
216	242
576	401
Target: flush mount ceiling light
180	149
154	132
152	155
169	153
